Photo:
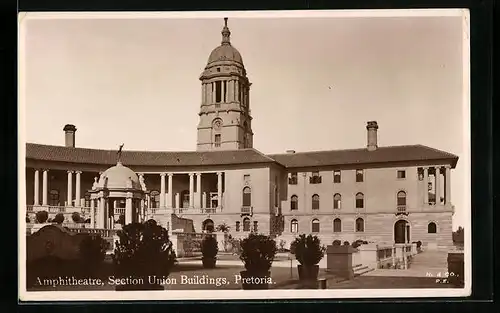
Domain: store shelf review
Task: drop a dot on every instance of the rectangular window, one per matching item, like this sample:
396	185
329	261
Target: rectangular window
292	180
315	178
336	177
359	176
402	174
218	91
217	140
246	177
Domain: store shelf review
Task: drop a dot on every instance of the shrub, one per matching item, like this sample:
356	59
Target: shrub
419	244
209	247
358	243
59	219
224	228
42	216
346	243
76	217
257	252
336	242
308	249
93	249
142	250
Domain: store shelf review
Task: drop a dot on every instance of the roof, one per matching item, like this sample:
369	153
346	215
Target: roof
144	158
413	153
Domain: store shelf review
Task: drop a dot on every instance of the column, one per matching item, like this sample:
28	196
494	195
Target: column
447	182
236	90
213	92
77	188
177	203
426	185
44	187
169	195
230	91
204	200
438	185
36	200
70	189
129	214
102	218
92	213
191	189
198	190
219	189
162	190
202	93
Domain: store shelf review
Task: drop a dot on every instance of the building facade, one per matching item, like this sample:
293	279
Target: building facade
382	194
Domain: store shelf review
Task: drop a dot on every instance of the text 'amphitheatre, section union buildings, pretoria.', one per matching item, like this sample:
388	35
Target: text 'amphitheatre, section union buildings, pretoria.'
396	194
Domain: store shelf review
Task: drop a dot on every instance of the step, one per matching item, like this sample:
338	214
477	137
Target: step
364	271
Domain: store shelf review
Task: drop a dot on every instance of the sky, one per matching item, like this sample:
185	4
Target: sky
316	81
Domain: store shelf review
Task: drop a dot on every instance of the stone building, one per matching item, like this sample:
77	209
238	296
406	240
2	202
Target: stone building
382	194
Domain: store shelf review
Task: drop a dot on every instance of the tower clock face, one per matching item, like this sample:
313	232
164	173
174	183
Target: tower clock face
217	124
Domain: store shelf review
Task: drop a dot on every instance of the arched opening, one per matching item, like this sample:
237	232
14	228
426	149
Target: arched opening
337	225
337	199
246	224
247	197
294	226
238	226
431	228
360	225
360	200
185	199
208	225
294	203
154	199
315	202
401	232
54	197
401	198
315	226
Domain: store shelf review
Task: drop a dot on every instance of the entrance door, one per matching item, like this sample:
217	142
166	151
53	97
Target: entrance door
400	231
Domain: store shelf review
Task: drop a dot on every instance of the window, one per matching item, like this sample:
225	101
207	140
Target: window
359	176
240	91
337	225
315	202
420	174
54	197
238	226
246	224
217	140
337	199
360	200
315	174
155	199
294	203
87	200
401	198
247	196
315	226
218	91
120	204
336	177
360	225
246	178
315	178
401	174
431	228
292	180
255	226
294	226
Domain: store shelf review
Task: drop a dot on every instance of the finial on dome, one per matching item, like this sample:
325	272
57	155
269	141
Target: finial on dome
225	33
119	155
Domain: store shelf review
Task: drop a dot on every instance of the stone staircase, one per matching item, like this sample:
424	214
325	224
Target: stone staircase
361	269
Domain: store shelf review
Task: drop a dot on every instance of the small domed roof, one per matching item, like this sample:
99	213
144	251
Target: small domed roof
120	177
225	52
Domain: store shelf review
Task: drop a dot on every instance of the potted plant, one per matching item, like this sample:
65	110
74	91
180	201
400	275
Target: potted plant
42	216
257	253
144	252
209	249
308	252
58	219
76	217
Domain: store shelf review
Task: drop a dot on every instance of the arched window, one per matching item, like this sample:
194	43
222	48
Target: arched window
431	228
255	226
155	199
238	226
246	224
337	225
360	225
54	197
247	196
294	226
294	203
315	202
337	199
208	225
401	198
360	200
315	226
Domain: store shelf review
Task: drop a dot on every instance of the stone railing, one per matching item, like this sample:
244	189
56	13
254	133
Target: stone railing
56	209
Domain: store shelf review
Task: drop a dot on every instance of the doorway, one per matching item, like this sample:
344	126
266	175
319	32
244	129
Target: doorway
401	232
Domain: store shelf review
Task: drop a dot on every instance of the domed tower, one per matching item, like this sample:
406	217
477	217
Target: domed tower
225	121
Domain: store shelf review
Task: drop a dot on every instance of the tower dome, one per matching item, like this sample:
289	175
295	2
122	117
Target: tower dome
119	177
225	52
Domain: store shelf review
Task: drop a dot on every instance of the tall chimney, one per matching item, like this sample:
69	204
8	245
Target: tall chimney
69	135
290	151
372	127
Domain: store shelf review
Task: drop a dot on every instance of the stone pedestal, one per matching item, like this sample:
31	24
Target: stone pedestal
368	255
339	261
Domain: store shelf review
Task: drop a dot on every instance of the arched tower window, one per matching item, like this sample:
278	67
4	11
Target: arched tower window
294	226
315	202
431	228
360	225
337	225
401	198
247	196
294	203
337	201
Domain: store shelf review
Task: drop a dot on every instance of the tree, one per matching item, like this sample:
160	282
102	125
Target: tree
42	216
59	219
458	235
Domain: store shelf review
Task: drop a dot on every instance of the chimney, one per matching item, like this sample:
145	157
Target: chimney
372	127
290	151
69	135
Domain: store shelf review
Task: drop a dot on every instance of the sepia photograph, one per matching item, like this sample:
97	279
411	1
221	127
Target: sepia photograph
192	155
